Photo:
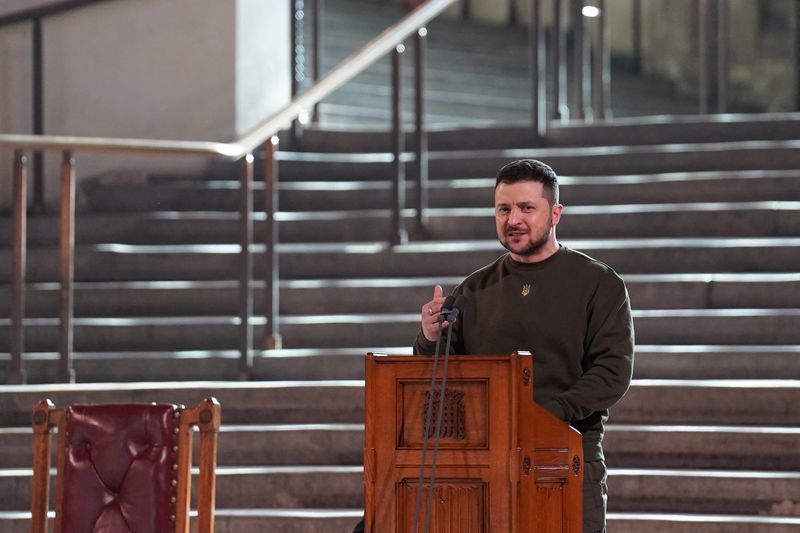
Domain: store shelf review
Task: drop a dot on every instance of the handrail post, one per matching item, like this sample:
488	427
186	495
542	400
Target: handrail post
703	57
601	65
319	8
66	373
16	373
795	24
559	45
297	31
37	69
421	145
536	36
272	337
579	62
723	55
245	169
636	28
398	233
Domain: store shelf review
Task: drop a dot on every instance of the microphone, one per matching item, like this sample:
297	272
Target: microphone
447	308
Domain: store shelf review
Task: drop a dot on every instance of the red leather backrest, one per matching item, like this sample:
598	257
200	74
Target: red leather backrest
118	470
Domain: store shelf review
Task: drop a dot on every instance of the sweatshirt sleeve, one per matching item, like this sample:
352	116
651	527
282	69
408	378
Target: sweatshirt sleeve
608	354
423	346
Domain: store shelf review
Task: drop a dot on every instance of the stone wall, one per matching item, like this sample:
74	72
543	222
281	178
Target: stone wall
159	69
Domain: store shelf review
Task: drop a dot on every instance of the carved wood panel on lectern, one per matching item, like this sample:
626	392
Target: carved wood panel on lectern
459	505
465	420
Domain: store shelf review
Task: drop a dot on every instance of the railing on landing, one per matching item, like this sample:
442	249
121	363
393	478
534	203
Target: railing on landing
261	138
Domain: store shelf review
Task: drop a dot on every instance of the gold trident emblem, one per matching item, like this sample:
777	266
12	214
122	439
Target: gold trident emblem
526	289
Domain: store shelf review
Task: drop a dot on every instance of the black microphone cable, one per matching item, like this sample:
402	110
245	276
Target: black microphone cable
452	316
443	313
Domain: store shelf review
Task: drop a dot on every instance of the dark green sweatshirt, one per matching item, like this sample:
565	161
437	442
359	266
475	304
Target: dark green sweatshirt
573	314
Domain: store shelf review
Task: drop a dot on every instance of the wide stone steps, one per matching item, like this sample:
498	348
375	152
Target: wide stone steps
458	50
661	326
652	361
628	132
635	490
339	520
123	262
686	402
728	219
372	190
734	491
756	155
337	296
625	446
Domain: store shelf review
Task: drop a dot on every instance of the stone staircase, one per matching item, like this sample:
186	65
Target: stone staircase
706	235
706	439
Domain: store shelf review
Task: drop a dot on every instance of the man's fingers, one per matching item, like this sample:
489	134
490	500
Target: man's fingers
437	292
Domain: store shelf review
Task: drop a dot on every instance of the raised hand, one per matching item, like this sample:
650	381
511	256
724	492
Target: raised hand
430	314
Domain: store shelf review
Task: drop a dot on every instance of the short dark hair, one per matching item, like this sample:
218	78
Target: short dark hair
530	170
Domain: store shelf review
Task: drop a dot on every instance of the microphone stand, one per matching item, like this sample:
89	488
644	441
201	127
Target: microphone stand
437	431
450	314
446	310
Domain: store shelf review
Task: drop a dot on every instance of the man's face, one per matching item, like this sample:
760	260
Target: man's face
525	219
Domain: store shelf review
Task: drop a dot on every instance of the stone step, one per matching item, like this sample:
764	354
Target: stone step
625	446
648	401
296	402
242	487
627	132
123	262
738	361
242	445
245	520
652	362
633	490
699	523
340	191
585	161
166	298
339	520
703	447
343	108
695	491
735	219
667	326
708	402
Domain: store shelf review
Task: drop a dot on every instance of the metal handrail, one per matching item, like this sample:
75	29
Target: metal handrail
256	136
242	150
44	9
345	71
112	144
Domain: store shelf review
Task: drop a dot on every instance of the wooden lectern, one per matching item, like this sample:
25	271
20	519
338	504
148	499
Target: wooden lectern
504	463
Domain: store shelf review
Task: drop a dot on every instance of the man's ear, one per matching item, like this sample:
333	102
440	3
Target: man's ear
556	210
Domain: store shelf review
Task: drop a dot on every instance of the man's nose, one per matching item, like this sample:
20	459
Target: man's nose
514	217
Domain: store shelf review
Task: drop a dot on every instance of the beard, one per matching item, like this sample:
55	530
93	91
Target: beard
536	243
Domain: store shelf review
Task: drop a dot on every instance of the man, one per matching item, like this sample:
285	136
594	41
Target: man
571	311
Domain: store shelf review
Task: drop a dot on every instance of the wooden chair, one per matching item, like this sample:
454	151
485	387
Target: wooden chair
124	467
